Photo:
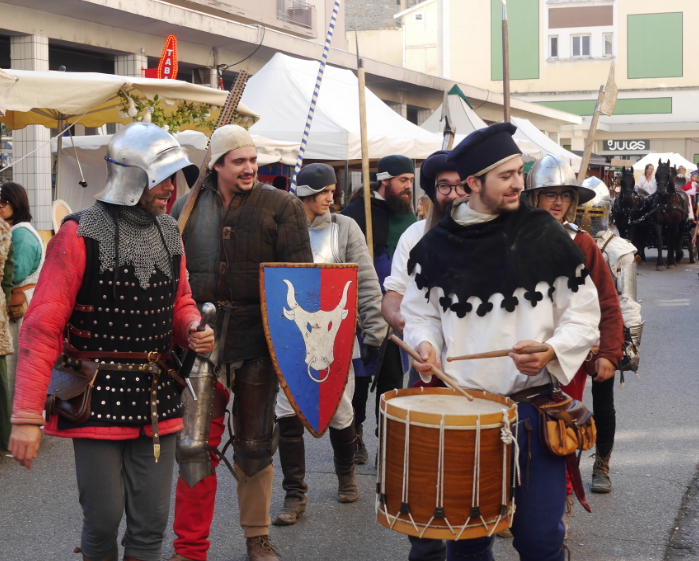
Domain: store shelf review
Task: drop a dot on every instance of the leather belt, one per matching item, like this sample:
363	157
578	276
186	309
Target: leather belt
526	395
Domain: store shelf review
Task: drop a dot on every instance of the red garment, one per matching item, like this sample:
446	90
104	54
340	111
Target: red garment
41	336
611	324
194	506
687	186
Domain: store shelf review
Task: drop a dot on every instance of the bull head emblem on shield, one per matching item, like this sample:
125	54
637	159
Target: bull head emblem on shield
318	329
309	312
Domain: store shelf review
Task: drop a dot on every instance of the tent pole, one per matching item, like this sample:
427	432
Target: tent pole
59	149
365	152
346	183
505	63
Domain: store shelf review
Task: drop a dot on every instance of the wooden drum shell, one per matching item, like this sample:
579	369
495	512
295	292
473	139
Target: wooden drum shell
458	469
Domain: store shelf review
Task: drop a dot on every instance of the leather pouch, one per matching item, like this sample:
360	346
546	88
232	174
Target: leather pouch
18	302
70	390
566	425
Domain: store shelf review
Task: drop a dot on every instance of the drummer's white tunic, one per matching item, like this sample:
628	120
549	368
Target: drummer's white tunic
569	324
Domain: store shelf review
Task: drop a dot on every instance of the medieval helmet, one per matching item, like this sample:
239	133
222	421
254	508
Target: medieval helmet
593	216
552	171
140	155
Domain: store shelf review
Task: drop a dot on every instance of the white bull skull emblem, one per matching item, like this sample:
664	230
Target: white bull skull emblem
318	329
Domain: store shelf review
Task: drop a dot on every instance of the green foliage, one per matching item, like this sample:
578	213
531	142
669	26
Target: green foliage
184	113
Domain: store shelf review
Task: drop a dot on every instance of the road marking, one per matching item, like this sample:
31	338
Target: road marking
680	302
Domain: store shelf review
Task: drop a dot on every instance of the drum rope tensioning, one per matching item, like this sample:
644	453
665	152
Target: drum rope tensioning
439	432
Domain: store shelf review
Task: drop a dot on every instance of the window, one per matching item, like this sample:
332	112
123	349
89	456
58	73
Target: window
608	44
419	16
553	47
581	45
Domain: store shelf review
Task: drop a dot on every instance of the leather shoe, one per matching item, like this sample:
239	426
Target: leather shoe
260	548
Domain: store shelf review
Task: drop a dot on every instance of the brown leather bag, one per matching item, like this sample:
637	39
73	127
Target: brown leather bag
565	424
18	301
70	390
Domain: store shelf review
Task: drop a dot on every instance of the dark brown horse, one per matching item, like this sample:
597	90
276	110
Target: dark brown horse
668	211
627	209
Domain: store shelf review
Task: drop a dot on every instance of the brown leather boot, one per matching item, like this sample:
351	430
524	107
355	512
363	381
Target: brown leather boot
600	474
292	456
260	548
361	456
344	446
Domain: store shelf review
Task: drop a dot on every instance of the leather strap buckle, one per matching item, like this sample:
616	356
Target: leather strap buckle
153	356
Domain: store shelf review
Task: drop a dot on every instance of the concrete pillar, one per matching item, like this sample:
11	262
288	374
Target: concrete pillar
31	52
400	108
130	65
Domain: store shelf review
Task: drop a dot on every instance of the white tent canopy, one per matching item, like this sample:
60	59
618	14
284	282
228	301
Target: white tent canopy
463	118
533	143
675	160
92	149
527	131
282	90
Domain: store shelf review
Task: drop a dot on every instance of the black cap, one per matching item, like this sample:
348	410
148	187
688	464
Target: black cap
485	149
431	168
313	178
393	166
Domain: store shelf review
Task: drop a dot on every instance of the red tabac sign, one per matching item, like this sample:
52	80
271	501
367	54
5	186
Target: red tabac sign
167	68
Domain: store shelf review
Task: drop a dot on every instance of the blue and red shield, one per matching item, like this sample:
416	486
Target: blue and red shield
309	313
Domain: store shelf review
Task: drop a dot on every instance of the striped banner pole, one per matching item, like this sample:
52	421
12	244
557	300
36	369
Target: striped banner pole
314	98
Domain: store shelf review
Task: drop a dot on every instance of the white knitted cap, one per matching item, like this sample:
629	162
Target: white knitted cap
227	138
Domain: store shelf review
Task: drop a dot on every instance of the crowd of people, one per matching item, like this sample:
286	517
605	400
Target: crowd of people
491	263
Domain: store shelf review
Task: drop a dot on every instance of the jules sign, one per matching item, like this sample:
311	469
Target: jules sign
626	145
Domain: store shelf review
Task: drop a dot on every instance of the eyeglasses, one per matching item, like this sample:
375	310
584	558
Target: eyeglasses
446	188
3	202
566	196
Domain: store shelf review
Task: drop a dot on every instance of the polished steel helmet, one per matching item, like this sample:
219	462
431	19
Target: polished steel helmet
593	216
140	155
552	171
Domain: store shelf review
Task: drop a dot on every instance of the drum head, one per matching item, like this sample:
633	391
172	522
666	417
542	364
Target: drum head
446	404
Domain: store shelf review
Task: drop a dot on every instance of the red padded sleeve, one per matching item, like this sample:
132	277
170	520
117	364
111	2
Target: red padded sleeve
41	336
185	308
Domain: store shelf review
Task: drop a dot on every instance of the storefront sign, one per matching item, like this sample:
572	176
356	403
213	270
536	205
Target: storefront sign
167	68
626	145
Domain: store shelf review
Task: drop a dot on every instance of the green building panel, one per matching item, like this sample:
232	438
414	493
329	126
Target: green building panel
655	44
586	107
523	25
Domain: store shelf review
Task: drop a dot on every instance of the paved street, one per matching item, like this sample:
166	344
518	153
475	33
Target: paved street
653	464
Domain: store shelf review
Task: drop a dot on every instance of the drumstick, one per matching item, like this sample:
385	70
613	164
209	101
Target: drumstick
443	376
503	352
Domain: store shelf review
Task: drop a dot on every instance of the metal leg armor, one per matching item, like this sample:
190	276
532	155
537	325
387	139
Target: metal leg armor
256	434
192	442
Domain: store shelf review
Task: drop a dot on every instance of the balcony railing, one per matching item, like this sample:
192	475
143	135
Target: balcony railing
295	11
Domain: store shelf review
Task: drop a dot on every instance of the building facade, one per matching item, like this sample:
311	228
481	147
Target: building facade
560	53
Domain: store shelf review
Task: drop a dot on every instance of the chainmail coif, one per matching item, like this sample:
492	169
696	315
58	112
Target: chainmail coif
140	242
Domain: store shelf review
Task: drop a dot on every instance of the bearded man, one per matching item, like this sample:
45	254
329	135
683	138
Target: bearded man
114	290
497	274
391	214
237	224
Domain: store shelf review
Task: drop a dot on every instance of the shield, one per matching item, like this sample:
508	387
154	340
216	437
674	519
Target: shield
309	313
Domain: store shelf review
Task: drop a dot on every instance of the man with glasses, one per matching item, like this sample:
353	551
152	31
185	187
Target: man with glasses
440	182
391	214
551	186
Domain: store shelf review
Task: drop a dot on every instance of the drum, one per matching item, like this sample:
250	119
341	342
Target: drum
445	463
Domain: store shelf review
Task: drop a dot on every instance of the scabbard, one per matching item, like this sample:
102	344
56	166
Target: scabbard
576	480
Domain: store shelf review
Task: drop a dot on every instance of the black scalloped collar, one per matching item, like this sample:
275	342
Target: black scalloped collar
517	249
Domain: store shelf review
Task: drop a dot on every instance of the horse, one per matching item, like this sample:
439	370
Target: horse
627	209
668	212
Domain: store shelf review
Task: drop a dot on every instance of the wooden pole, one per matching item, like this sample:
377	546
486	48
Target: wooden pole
59	157
505	63
365	152
589	143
